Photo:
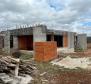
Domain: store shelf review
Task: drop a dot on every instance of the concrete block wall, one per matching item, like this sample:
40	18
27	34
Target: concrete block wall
82	41
7	42
15	42
39	33
70	40
1	41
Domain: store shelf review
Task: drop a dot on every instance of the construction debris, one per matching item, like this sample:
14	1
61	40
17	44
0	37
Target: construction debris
22	80
8	67
7	64
73	63
4	78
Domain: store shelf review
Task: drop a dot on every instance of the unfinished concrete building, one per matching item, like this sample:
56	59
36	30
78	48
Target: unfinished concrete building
23	38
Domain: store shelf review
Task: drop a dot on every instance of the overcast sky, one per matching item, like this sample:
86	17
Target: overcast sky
71	15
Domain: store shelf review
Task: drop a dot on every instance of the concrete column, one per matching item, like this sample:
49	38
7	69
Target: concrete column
1	42
82	41
15	42
39	33
7	42
70	40
52	36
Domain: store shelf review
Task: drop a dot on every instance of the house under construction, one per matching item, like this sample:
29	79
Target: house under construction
23	38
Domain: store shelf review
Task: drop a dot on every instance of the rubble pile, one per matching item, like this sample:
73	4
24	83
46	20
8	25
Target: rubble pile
7	65
74	63
7	69
27	68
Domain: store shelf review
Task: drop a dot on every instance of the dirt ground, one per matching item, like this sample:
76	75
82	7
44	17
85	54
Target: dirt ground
47	73
75	77
86	53
55	75
59	75
68	77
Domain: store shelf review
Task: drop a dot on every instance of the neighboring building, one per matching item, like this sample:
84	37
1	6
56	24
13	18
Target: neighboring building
89	42
24	38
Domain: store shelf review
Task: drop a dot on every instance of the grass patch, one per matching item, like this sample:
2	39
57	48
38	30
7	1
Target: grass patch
47	67
55	69
26	56
79	50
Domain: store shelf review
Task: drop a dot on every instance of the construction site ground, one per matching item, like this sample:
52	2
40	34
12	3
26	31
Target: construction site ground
56	75
52	74
47	73
86	53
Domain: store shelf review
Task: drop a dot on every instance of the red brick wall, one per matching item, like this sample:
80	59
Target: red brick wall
22	43
89	45
45	51
65	40
25	42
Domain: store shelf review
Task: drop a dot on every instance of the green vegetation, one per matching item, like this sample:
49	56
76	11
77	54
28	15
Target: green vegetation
48	67
79	49
54	69
26	56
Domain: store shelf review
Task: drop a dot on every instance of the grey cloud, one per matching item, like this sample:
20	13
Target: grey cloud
12	6
81	5
39	11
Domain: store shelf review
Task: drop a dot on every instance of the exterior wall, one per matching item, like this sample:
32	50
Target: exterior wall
45	51
1	42
22	31
7	42
82	41
25	42
70	40
65	40
89	42
88	45
22	43
52	36
15	42
39	34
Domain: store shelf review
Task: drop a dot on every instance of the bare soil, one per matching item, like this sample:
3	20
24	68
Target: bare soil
46	73
57	75
68	77
86	53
